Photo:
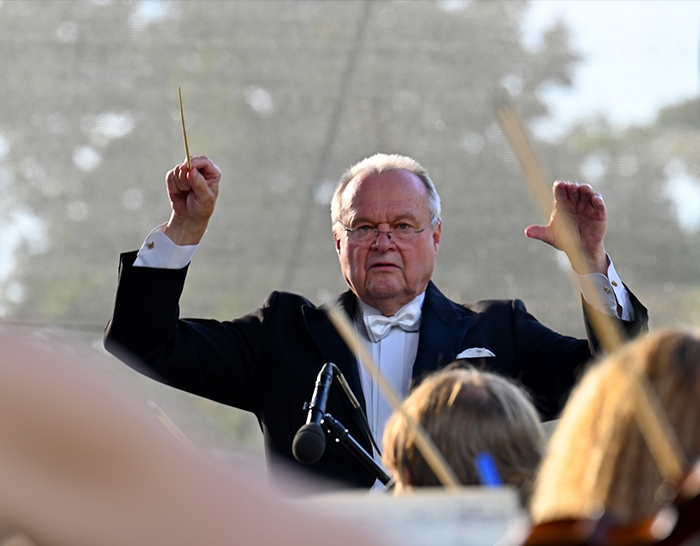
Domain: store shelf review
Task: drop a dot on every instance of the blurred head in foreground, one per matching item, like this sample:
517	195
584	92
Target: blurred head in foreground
466	412
597	458
82	464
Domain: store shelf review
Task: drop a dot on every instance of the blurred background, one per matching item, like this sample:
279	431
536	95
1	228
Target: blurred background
286	95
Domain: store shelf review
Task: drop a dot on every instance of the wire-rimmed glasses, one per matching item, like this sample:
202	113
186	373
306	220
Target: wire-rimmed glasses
365	233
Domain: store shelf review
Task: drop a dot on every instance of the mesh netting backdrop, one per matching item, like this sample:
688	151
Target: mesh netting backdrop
284	96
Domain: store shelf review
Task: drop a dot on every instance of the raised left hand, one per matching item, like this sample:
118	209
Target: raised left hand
588	216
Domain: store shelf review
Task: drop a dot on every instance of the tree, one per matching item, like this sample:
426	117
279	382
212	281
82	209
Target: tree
650	177
284	96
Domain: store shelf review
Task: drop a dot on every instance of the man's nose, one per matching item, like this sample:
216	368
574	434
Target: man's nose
383	240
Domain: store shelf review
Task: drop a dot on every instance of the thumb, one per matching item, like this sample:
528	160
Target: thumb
197	182
540	233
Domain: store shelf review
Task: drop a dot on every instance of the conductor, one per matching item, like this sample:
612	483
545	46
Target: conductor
386	224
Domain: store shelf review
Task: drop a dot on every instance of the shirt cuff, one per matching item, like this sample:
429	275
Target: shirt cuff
159	251
610	295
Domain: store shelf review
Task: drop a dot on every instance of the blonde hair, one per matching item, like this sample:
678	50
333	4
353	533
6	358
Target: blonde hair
466	412
597	457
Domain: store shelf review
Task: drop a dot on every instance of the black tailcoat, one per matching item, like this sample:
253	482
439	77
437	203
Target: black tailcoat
267	361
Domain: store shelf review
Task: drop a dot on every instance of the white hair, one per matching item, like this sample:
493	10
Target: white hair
381	163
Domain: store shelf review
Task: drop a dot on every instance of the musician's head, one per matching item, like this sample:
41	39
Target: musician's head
597	458
386	225
466	412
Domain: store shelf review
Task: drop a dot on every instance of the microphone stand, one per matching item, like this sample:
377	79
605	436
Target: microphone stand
309	442
338	431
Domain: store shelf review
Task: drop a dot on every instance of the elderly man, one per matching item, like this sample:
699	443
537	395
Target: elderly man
387	228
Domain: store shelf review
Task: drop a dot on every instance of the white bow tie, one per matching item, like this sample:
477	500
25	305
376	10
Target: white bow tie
379	326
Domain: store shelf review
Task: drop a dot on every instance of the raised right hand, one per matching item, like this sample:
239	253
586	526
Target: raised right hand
192	195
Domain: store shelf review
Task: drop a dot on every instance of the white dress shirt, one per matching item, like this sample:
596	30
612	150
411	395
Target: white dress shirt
394	355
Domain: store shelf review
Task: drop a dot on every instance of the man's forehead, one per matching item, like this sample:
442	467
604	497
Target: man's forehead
396	186
382	206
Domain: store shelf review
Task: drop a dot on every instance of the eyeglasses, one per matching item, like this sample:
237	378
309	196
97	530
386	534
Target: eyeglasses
399	232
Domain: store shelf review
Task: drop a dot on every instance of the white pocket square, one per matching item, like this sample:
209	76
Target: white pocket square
474	352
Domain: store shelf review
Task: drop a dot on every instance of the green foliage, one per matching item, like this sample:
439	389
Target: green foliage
685	115
284	96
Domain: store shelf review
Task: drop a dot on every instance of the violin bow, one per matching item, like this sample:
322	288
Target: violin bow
173	428
648	413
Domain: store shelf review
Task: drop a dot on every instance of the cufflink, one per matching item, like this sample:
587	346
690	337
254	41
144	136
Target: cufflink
607	289
614	283
151	244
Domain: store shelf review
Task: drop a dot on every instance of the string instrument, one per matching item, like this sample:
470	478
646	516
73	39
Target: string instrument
675	524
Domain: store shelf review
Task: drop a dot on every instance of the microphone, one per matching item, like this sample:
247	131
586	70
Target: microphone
310	440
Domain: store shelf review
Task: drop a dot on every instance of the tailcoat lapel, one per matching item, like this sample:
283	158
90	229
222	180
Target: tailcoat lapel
443	327
334	349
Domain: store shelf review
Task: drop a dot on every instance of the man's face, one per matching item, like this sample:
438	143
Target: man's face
384	272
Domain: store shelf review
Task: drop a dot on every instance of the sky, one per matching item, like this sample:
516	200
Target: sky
639	55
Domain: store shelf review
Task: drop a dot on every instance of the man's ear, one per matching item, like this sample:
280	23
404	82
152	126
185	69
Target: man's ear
437	233
336	239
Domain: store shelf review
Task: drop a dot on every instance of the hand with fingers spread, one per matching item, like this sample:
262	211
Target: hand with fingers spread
588	217
192	193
